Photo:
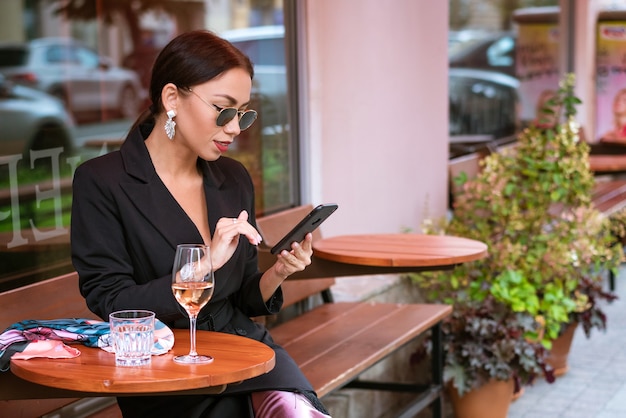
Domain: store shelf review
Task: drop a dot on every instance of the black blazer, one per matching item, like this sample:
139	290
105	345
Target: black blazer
124	231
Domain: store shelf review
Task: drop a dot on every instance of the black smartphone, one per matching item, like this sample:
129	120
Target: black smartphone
308	224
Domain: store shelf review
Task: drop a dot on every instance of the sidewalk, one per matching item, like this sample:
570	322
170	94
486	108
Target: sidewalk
595	385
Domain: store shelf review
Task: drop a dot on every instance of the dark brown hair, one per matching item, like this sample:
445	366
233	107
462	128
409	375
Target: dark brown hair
192	58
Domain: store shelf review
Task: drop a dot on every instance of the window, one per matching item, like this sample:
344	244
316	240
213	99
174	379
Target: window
81	114
59	54
489	100
87	58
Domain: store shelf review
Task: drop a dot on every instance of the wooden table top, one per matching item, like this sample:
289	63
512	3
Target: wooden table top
371	254
235	359
607	163
400	250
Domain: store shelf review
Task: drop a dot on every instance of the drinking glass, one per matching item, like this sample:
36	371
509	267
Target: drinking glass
192	284
132	332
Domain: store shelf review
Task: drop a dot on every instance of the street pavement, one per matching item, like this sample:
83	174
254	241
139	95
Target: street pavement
595	385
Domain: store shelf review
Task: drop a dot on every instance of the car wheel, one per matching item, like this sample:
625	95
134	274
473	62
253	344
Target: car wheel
51	136
128	103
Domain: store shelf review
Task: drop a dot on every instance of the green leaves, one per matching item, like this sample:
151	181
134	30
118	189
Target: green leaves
547	248
485	341
512	288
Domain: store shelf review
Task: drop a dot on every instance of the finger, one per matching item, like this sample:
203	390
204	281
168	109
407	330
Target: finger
292	263
307	242
304	247
243	216
254	237
246	229
298	253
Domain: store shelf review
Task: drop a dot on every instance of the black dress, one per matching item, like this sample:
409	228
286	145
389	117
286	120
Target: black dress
124	232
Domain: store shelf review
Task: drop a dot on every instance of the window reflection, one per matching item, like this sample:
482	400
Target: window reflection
486	77
268	160
71	88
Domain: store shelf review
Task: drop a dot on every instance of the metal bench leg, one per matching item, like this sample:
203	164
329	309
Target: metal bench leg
432	394
437	368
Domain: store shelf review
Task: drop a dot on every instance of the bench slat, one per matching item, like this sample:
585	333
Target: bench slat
58	297
609	196
350	337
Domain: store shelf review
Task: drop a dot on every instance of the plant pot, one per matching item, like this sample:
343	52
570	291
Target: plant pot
557	358
491	400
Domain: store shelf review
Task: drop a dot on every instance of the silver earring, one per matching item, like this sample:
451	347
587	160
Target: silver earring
170	125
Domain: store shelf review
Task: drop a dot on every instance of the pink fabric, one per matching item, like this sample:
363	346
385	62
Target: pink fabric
280	404
47	348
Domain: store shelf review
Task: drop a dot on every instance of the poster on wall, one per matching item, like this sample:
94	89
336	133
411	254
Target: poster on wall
611	82
537	67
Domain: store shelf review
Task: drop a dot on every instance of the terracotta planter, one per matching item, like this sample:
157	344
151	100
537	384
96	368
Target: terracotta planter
557	358
491	400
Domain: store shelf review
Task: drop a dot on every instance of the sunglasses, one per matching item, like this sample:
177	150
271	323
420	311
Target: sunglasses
226	114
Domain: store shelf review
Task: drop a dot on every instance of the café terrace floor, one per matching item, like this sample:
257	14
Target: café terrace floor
595	385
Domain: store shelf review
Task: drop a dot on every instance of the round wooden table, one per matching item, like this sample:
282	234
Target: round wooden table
370	254
400	250
235	359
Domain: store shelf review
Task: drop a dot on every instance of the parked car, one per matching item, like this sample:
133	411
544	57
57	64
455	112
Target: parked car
265	45
484	107
483	89
83	80
485	51
31	119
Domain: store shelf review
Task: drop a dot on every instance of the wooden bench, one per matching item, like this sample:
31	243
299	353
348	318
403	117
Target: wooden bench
332	343
335	342
609	196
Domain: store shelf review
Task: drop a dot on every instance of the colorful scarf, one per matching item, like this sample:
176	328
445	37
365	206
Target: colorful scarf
89	332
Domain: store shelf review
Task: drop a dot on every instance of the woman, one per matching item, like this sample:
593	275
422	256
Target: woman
618	133
167	185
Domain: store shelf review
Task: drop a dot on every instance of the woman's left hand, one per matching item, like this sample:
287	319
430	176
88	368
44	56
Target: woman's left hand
226	238
289	262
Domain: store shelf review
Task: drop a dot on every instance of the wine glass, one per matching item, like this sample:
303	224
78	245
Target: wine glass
192	284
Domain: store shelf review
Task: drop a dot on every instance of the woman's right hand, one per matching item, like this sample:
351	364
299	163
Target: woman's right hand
226	238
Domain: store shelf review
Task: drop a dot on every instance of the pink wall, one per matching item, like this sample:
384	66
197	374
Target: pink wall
376	112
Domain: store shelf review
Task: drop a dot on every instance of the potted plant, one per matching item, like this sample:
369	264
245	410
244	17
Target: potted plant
491	352
547	244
